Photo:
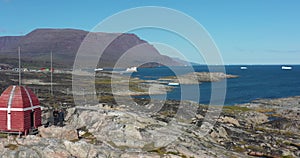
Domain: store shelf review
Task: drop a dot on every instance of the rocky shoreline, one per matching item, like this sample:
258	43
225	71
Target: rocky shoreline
198	77
262	128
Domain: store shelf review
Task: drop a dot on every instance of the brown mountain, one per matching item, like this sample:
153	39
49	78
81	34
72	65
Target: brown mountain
64	43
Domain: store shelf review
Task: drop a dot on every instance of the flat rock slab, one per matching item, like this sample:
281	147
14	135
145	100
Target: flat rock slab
58	132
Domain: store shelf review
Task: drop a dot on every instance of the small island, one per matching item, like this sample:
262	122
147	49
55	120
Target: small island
198	77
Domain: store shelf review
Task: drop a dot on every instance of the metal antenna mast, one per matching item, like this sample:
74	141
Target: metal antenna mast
19	53
51	70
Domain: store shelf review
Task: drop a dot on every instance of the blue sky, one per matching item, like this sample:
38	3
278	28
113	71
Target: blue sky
246	32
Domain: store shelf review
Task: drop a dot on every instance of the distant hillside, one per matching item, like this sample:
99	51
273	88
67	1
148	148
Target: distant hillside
64	43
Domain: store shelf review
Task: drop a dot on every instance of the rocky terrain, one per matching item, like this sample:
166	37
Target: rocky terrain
39	82
121	131
144	128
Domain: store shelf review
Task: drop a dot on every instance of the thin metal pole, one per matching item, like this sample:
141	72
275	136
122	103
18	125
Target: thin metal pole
51	69
19	53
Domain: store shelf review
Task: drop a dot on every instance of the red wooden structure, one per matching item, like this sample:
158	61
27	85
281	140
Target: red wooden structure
20	110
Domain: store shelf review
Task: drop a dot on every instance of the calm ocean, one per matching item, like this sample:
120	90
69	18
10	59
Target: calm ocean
258	81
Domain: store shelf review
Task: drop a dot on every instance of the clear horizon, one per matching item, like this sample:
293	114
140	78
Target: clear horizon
246	33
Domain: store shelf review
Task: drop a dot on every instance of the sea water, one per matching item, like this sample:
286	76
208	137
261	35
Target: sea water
255	82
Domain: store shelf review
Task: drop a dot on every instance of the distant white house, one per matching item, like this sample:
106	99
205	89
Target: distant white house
15	69
22	69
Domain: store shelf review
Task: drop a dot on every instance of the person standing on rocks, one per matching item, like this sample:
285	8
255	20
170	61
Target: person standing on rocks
55	117
61	117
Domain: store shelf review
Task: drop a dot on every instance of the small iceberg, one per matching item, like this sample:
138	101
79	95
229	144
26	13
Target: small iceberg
286	68
98	69
131	69
243	68
173	84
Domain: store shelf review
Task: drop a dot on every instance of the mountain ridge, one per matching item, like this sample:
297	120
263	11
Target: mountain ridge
64	43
